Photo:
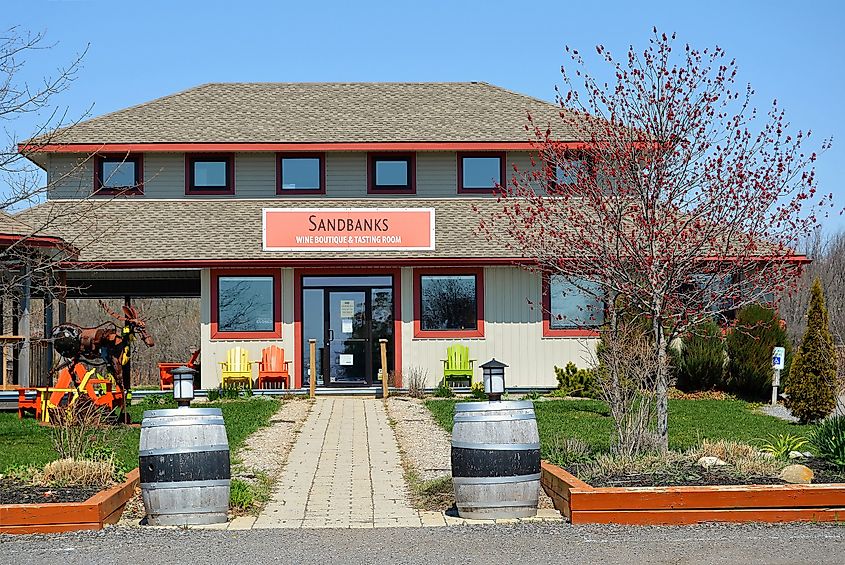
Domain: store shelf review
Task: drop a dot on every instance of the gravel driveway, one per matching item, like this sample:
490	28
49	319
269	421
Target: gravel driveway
521	543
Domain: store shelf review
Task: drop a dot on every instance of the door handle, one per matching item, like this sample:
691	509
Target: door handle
331	334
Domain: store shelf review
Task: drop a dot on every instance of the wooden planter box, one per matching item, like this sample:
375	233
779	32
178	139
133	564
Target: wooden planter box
105	507
582	504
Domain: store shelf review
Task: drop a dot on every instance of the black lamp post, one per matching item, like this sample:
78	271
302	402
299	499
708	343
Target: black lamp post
494	379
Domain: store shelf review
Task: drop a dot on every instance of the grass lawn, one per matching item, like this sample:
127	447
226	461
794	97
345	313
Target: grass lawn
24	442
689	422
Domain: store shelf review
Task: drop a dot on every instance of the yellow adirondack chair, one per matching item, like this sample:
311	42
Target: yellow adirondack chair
237	369
458	367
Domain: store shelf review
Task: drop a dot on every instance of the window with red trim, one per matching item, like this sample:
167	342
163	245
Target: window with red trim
119	174
391	173
570	307
480	172
449	303
301	173
210	174
569	172
245	304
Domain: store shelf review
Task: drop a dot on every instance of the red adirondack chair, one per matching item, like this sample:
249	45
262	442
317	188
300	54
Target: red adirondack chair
273	369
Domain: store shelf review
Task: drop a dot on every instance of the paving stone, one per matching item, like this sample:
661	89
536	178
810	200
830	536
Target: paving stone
242	523
343	471
548	513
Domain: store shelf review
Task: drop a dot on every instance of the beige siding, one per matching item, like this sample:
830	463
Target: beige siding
214	351
70	176
346	175
255	175
164	175
513	333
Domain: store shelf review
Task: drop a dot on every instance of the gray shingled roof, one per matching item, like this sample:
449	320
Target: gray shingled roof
322	113
231	228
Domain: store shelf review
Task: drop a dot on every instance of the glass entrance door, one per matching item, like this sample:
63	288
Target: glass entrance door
347	316
347	339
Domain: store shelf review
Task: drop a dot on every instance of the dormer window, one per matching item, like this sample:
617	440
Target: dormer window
210	174
391	173
118	174
480	172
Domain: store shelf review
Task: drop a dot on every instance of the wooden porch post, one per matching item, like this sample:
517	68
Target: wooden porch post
49	297
24	326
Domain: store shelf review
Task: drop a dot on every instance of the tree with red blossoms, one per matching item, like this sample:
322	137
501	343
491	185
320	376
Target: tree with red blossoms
664	190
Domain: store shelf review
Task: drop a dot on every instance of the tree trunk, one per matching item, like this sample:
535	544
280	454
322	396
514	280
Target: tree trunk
661	383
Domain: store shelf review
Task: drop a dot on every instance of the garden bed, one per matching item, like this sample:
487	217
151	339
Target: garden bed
582	503
103	507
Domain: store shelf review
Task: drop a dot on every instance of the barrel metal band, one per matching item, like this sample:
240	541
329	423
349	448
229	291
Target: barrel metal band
492	417
186	484
495	480
498	504
186	449
183	422
496	446
499	406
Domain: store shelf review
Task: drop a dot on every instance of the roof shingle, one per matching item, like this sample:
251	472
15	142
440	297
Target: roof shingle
128	229
322	113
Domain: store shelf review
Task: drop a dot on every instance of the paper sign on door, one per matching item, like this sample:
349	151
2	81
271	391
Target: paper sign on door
345	359
347	308
346	326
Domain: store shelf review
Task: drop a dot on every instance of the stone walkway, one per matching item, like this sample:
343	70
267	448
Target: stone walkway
344	471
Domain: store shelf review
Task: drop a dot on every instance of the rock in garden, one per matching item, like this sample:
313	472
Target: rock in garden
797	474
808	455
710	461
796	455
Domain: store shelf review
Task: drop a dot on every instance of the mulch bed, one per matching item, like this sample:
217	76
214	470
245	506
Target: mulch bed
694	475
12	492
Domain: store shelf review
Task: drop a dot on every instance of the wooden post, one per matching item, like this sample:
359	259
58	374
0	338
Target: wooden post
312	370
24	327
49	298
127	368
383	346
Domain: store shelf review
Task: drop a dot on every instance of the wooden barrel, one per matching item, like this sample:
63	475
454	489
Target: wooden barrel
496	460
184	466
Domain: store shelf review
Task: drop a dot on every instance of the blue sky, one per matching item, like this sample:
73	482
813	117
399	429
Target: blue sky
792	51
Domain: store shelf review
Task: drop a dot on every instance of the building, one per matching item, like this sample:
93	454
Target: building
344	213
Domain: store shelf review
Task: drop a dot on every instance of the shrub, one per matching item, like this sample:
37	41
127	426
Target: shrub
76	428
811	388
477	391
829	440
780	445
567	451
749	345
78	472
443	390
700	364
415	381
213	394
241	496
572	381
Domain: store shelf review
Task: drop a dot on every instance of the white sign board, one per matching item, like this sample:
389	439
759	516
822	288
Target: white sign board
778	358
347	308
346	359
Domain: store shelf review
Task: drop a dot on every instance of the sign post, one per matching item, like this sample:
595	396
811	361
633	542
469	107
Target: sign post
778	355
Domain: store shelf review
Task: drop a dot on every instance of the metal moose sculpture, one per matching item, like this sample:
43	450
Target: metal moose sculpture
104	344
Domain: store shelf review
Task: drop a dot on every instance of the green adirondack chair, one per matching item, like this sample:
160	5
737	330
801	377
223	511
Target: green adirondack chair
458	367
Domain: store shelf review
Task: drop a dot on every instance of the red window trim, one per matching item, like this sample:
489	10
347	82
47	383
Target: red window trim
411	158
137	158
189	173
502	172
297	191
548	330
276	333
479	303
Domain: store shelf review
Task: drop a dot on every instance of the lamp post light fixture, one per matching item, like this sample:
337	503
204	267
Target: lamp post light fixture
494	379
183	385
